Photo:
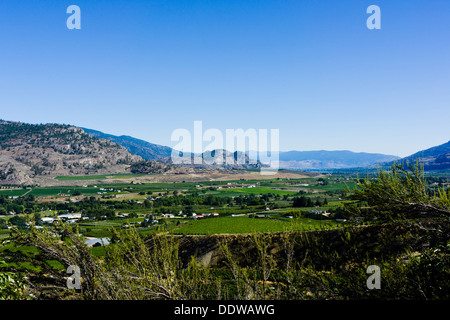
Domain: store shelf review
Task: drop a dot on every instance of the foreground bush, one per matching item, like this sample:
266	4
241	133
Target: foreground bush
329	264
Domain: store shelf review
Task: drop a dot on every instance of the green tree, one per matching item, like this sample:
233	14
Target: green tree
30	198
16	220
12	286
401	192
37	217
294	213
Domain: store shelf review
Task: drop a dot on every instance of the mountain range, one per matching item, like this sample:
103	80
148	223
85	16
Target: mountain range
299	160
34	153
322	159
435	158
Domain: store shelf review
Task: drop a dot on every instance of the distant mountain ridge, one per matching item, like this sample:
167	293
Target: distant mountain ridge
322	159
434	158
142	148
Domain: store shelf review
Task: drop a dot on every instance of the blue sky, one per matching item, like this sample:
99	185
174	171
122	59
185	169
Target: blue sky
311	69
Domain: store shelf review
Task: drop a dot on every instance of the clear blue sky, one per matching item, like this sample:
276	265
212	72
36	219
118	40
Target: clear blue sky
311	69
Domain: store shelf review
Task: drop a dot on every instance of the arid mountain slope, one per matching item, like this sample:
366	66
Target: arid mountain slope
30	154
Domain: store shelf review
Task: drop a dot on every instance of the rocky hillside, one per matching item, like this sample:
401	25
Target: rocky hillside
217	159
30	154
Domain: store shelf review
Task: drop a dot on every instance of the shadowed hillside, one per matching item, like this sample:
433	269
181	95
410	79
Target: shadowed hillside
147	150
435	158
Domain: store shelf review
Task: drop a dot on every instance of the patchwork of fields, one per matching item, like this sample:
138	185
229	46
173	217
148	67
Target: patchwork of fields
234	217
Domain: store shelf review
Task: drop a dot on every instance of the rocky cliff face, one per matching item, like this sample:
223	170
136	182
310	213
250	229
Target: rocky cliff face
31	153
218	159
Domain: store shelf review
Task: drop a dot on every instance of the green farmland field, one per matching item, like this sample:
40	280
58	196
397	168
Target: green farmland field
48	191
14	192
259	190
333	186
244	224
53	191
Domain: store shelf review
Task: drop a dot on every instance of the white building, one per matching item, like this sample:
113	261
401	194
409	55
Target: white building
70	216
96	242
48	219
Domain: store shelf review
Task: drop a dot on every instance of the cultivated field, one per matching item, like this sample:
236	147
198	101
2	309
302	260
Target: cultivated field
246	225
214	175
